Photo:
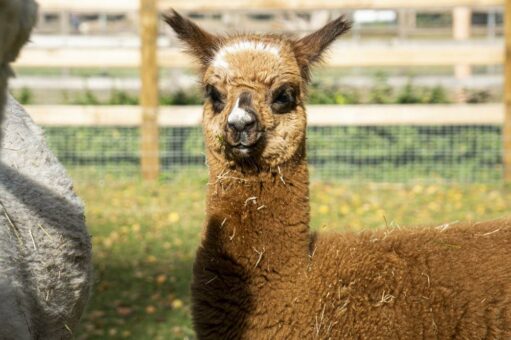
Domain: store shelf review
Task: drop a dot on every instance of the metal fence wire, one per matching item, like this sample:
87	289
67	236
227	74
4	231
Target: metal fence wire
397	154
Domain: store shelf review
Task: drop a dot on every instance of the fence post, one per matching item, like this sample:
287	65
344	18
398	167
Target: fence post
506	134
407	22
461	25
149	153
64	22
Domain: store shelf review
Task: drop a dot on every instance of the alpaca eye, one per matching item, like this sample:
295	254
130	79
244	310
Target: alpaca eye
216	98
284	100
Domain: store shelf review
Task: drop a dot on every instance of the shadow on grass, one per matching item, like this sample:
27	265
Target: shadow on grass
142	298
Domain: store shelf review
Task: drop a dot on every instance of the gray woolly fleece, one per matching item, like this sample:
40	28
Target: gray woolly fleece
45	249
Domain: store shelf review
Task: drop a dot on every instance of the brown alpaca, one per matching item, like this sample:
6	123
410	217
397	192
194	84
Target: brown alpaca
261	274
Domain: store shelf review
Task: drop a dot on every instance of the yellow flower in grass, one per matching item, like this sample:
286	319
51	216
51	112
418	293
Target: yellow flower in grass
177	304
151	259
173	217
324	209
480	210
418	189
433	206
344	209
135	228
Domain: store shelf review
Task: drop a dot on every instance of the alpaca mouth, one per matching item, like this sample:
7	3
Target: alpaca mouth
245	145
243	150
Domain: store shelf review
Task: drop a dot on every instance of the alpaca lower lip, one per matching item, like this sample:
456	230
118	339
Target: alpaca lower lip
241	150
241	146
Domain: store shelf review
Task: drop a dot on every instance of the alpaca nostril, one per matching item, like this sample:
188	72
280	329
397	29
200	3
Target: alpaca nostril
241	122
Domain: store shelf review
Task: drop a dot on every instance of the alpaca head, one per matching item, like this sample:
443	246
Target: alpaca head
255	86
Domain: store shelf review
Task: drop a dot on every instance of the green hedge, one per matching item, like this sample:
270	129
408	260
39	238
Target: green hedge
397	153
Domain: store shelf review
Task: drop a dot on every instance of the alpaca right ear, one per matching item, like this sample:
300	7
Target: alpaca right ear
308	50
201	44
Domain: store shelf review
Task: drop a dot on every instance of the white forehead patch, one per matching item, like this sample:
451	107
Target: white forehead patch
243	46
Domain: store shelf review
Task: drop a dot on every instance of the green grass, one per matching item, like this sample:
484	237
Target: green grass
145	236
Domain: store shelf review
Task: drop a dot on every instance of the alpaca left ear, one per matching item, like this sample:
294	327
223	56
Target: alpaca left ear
309	49
201	44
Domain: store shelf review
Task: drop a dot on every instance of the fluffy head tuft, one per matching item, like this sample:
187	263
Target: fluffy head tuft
243	46
211	49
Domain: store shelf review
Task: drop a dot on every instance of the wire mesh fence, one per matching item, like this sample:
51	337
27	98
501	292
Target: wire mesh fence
365	153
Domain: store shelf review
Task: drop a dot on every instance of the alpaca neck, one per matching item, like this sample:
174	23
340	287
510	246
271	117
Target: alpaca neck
259	220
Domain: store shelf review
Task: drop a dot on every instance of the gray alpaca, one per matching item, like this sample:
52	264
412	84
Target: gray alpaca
45	250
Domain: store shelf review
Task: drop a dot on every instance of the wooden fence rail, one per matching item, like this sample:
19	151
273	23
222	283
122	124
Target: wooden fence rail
102	6
318	115
347	55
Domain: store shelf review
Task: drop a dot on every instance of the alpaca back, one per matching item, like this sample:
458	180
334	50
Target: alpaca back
45	250
444	282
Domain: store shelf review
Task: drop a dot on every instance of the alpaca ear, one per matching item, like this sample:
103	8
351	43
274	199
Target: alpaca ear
309	49
201	44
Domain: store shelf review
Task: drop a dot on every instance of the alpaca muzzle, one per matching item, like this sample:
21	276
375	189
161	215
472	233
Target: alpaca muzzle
243	136
243	127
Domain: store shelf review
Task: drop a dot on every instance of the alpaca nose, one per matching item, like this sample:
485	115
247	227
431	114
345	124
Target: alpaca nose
241	121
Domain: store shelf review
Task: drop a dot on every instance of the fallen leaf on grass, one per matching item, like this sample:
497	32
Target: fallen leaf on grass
124	311
160	279
150	310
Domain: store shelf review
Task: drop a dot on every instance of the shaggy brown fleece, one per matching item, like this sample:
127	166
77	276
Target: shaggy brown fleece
261	274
